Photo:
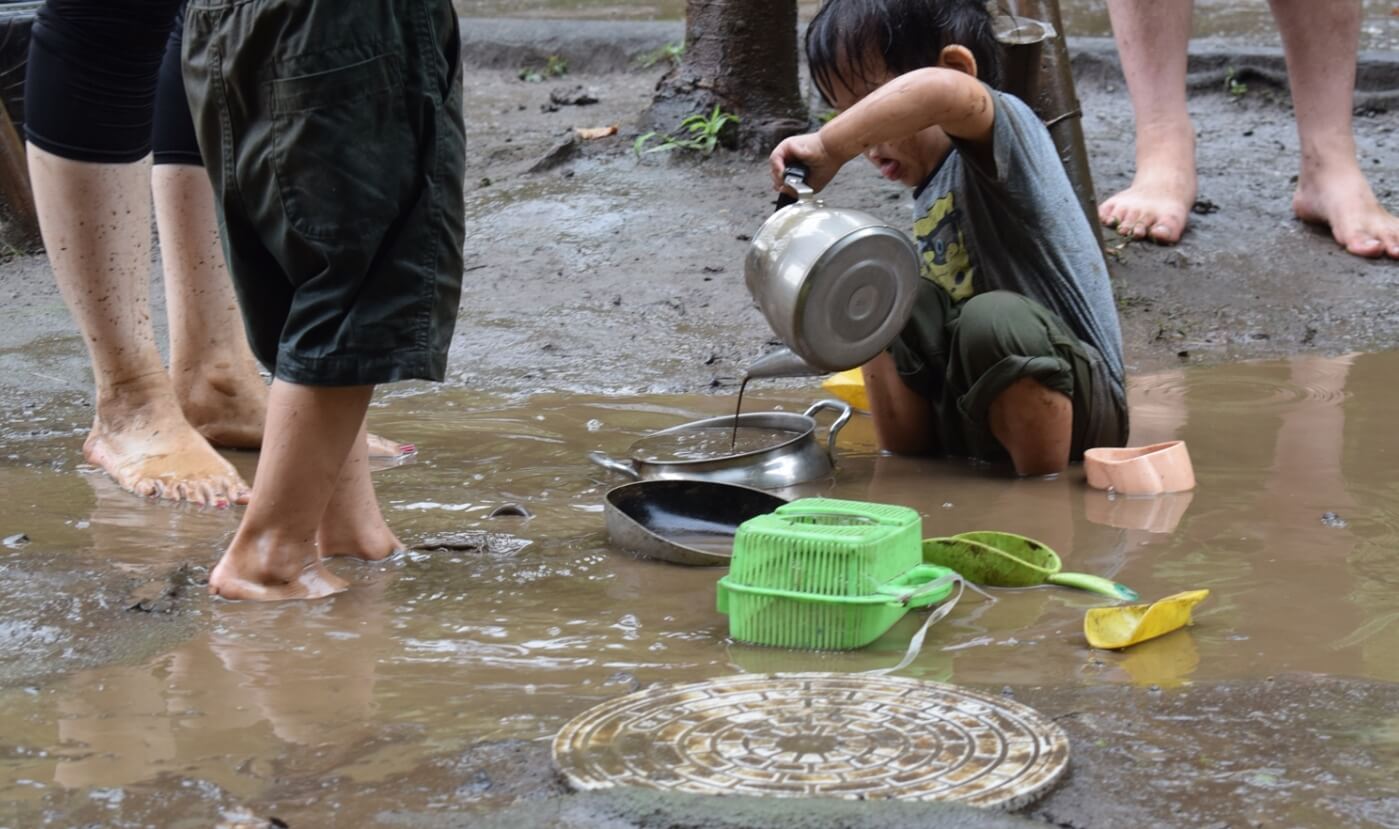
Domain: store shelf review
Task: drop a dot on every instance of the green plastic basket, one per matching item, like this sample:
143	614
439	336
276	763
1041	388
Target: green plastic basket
827	574
827	547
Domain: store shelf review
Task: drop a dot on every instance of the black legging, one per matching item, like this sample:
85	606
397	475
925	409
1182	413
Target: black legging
104	82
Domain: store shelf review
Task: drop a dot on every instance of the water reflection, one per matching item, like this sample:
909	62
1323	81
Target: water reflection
438	649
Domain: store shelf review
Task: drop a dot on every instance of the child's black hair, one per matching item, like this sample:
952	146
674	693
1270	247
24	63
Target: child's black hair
847	39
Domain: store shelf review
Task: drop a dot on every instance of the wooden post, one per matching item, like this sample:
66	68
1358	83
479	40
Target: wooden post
1055	100
14	185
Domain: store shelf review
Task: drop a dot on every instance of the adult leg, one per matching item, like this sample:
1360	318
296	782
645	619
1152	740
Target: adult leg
95	220
214	372
1152	38
90	85
274	555
1321	40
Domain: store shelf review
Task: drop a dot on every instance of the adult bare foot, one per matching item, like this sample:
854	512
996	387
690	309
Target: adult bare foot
227	404
263	568
141	439
1341	198
1162	192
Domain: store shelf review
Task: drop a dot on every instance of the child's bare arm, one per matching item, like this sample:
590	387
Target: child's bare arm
908	104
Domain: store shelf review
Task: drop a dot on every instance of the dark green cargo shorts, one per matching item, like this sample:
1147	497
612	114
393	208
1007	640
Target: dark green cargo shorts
334	138
960	357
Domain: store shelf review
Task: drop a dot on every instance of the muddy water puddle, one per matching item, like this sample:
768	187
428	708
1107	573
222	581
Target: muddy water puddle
504	628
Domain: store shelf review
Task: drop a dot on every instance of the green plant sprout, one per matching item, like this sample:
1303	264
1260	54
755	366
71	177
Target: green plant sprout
1233	85
554	67
697	132
671	52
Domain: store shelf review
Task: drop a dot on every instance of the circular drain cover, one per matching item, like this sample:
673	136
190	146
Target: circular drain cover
817	735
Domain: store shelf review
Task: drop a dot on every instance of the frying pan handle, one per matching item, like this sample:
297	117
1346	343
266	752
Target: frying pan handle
845	414
611	464
794	177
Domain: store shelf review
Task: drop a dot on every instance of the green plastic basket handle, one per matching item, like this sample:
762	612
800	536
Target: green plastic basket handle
931	584
1094	584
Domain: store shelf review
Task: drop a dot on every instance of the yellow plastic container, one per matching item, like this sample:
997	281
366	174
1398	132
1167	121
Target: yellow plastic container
850	387
1113	628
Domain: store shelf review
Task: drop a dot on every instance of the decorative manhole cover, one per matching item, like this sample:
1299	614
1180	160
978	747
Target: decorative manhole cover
817	735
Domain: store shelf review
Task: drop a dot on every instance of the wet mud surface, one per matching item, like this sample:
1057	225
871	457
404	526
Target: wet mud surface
604	300
426	695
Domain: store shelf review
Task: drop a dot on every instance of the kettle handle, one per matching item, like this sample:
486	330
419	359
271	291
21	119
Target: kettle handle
794	177
845	414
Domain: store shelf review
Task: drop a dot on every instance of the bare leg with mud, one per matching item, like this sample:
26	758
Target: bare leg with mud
903	421
353	525
1320	40
95	220
1152	40
275	556
1036	426
214	372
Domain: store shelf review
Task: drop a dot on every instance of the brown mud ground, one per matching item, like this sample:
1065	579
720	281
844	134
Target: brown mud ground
426	696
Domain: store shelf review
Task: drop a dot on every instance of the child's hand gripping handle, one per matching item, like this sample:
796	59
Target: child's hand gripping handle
794	176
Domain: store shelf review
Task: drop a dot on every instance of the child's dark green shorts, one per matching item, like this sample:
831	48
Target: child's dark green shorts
333	135
960	357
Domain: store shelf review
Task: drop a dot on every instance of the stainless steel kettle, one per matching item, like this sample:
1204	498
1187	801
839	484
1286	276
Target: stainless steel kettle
836	285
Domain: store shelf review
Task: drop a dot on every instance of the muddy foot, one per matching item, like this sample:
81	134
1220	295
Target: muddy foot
152	451
246	573
229	407
1343	200
1162	192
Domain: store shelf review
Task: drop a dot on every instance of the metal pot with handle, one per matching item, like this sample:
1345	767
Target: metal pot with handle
836	285
797	459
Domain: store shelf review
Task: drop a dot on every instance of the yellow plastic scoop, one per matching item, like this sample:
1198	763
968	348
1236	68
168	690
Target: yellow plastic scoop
1112	628
850	387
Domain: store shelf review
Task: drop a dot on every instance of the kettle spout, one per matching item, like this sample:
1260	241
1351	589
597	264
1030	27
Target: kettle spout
783	363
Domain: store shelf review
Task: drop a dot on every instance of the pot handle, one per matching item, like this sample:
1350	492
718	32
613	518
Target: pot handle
794	177
845	414
611	464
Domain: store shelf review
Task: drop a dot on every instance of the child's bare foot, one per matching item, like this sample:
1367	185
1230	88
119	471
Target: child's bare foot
228	405
141	439
366	542
1340	197
1163	190
261	568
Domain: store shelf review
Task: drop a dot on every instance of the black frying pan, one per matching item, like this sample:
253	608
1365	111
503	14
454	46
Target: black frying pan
683	522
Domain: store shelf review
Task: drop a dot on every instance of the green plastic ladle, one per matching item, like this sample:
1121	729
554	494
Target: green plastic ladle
998	559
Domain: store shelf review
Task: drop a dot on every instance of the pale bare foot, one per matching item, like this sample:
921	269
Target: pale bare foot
1341	198
140	438
263	568
226	402
1163	190
228	405
382	447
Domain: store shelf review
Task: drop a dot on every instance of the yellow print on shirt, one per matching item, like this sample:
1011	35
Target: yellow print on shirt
943	249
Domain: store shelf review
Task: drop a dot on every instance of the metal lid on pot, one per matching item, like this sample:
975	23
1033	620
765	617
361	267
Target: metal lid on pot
857	297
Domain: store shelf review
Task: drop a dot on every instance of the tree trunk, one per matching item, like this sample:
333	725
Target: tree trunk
742	56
